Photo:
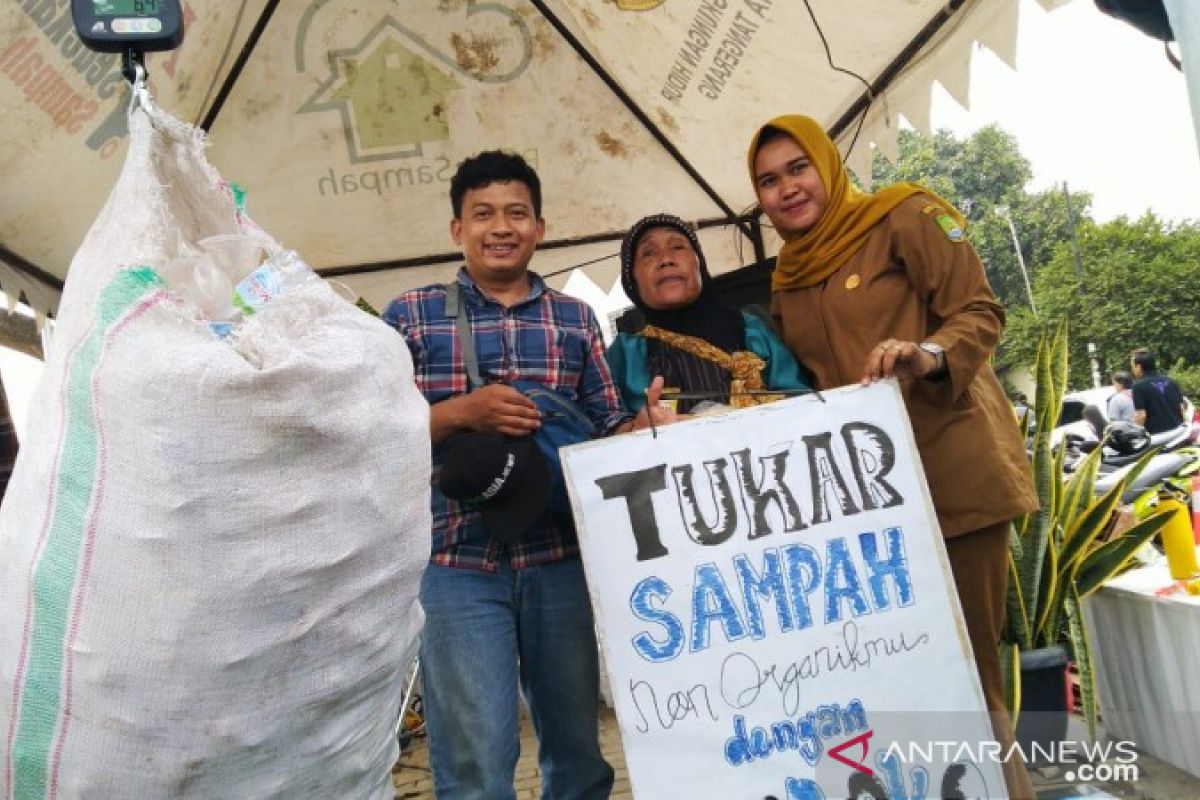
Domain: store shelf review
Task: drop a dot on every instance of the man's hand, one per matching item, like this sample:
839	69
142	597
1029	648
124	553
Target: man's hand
496	408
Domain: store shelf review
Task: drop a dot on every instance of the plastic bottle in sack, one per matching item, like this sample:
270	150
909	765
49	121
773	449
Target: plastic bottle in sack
207	271
281	273
193	274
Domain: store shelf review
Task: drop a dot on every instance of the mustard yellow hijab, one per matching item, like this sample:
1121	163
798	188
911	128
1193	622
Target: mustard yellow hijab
808	258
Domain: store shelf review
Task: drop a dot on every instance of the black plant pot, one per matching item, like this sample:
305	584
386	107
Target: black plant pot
1044	702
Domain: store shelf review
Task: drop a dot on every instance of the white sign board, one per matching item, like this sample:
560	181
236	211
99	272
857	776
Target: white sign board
776	606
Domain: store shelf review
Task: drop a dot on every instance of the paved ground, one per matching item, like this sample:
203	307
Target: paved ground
1157	781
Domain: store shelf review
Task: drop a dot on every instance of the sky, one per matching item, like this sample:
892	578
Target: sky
1093	102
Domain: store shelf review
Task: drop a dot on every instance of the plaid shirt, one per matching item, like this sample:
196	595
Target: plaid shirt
548	338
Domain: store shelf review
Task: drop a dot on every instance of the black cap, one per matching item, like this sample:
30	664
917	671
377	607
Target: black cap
505	478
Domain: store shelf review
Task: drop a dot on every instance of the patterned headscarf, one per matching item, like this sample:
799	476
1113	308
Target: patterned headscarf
629	249
707	317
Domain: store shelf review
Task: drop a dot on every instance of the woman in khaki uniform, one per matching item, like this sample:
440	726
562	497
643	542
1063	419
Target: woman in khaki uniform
877	285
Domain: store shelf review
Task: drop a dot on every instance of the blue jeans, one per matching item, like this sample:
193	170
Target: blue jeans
484	632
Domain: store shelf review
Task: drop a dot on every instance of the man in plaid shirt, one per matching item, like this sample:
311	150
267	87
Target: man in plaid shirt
499	613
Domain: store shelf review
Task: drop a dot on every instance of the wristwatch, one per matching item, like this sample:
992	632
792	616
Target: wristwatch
939	355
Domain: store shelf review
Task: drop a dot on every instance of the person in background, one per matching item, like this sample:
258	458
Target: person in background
1120	405
871	286
505	607
1157	400
691	339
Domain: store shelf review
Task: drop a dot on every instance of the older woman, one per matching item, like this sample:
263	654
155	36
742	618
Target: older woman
877	285
697	344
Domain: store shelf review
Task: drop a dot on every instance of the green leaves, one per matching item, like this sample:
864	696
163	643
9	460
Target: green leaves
1010	669
1138	285
1081	646
1042	528
1109	559
1140	288
1056	556
1019	630
977	174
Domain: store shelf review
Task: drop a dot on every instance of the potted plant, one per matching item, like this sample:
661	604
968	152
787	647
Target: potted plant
1058	555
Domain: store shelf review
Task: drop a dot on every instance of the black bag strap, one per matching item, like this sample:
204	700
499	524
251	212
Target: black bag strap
465	338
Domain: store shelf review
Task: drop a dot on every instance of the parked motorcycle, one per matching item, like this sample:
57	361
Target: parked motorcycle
1175	469
1122	443
1162	482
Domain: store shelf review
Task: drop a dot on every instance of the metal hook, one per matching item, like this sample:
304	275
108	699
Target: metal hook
133	69
133	66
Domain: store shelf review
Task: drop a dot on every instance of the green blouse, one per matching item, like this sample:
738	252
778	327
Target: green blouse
627	361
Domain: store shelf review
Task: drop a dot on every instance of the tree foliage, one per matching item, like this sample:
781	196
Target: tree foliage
979	175
1135	283
1141	288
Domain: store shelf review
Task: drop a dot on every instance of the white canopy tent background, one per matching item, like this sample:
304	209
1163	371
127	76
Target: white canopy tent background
343	119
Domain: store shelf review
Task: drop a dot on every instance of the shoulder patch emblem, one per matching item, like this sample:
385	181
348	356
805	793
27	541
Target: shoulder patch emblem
949	227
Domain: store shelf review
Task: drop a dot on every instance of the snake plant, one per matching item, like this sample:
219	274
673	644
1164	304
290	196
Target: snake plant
1058	554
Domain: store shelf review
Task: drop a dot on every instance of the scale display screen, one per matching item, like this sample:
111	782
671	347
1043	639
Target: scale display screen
116	26
125	8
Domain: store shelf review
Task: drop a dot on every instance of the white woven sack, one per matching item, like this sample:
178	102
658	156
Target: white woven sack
209	554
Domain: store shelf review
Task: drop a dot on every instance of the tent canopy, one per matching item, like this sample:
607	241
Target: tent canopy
344	119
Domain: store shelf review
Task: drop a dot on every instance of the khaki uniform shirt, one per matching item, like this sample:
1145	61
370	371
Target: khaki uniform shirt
913	280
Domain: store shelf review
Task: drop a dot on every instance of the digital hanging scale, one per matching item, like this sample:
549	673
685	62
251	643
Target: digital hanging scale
128	26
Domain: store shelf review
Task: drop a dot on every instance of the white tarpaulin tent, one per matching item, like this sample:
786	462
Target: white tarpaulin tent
343	119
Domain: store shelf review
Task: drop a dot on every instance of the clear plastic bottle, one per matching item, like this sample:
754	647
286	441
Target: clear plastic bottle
206	273
279	274
195	275
227	278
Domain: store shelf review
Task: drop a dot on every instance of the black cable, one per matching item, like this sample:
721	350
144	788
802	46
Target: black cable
251	42
908	58
636	110
828	54
237	23
829	57
755	209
